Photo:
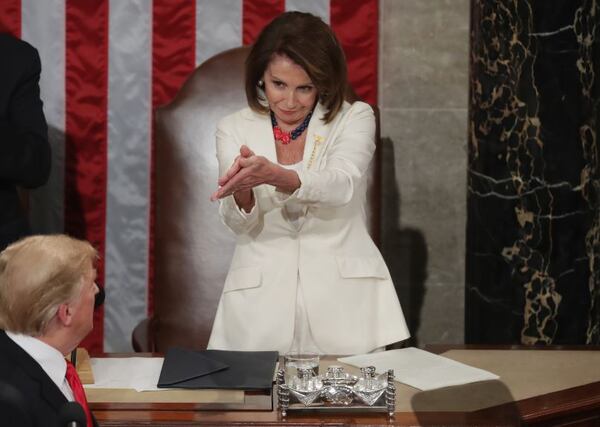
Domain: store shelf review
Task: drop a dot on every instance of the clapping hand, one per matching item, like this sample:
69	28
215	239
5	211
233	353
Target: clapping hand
247	171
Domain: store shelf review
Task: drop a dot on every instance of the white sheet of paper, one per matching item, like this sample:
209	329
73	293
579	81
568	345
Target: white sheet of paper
421	369
138	373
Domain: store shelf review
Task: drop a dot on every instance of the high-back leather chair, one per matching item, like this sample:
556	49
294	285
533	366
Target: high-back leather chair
193	248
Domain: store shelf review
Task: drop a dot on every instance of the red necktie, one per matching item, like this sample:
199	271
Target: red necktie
78	391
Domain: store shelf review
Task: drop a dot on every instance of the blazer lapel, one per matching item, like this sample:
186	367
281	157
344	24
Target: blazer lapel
260	135
50	392
317	138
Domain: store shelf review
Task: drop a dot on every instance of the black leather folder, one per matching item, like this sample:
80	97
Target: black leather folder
218	369
182	365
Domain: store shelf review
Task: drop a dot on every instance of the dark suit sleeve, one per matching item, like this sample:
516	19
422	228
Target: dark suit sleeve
24	148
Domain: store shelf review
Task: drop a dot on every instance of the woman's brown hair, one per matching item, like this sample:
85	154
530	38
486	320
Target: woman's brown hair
310	43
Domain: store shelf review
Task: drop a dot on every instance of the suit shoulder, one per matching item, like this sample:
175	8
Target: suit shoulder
24	58
15	47
359	107
356	112
238	118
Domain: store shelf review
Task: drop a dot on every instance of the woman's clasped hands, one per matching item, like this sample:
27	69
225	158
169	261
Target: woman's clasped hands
247	171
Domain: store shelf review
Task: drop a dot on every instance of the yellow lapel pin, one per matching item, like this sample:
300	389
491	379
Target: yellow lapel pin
318	141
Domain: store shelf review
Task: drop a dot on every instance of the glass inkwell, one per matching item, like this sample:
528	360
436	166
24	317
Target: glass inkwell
336	390
338	386
370	387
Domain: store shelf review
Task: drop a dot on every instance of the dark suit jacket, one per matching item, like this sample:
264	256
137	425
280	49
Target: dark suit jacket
24	147
42	397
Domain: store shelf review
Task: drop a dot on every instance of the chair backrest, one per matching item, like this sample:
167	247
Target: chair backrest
193	248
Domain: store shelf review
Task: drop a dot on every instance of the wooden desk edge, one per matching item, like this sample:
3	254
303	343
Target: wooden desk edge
564	404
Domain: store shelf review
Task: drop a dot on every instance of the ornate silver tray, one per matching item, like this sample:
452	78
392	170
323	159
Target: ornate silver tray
336	391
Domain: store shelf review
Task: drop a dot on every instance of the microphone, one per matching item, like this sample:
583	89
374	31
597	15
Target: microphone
13	407
71	415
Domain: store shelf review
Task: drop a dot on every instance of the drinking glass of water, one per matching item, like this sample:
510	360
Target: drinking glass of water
292	362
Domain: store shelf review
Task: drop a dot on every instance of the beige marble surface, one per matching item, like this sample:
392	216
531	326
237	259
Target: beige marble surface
423	102
523	374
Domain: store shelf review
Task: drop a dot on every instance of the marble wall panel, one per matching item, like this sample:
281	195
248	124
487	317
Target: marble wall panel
533	242
425	53
425	211
423	102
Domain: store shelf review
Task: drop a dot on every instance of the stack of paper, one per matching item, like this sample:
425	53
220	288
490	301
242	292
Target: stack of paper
421	369
188	369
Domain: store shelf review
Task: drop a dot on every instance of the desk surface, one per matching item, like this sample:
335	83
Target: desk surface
537	386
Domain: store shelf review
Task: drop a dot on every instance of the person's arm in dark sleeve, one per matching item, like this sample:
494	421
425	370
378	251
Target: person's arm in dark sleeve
24	148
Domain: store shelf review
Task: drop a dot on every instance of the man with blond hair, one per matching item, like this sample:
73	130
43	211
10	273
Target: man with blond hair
47	292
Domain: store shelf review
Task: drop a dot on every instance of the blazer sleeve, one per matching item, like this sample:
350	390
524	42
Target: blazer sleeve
228	148
348	155
24	149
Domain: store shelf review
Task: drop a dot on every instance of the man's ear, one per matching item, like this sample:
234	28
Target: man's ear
65	314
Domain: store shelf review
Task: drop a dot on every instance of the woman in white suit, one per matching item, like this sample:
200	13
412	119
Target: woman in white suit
305	275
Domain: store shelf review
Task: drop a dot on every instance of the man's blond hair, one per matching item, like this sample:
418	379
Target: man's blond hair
37	275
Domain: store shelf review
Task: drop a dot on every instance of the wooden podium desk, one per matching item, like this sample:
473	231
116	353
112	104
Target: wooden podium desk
538	386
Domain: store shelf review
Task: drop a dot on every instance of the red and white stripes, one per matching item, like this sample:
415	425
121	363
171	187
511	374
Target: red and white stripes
106	64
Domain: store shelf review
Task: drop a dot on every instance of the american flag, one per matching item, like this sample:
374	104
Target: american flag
106	64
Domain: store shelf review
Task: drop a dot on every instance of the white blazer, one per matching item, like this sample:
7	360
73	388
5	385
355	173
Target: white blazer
350	300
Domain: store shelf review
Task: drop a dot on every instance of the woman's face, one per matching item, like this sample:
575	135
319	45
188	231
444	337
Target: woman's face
289	91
